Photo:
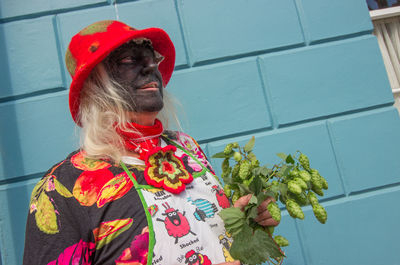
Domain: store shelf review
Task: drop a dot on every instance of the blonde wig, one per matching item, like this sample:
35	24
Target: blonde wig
103	108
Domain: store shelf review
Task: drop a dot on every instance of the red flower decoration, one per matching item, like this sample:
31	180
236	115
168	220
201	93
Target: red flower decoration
165	170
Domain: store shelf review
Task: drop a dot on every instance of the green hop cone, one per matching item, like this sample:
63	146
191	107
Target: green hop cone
235	145
320	213
235	197
235	170
237	156
304	175
228	149
293	187
274	210
281	241
294	209
246	182
294	173
318	191
244	170
227	190
255	163
312	198
225	165
301	183
301	199
305	163
324	183
316	179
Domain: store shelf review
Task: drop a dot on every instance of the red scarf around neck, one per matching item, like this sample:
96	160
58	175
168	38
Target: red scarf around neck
144	140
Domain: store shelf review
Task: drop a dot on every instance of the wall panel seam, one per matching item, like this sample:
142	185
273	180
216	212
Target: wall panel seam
57	32
267	96
335	155
184	32
51	12
301	242
302	21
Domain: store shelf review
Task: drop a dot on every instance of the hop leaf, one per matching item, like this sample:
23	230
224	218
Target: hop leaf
234	219
250	145
254	248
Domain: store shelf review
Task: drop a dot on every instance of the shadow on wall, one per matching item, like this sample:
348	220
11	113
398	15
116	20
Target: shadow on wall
12	220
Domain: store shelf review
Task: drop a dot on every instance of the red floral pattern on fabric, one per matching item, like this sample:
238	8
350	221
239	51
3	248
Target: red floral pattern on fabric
78	254
100	186
165	170
80	161
108	231
137	253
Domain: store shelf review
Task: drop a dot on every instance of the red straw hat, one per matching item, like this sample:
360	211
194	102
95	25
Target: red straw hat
92	44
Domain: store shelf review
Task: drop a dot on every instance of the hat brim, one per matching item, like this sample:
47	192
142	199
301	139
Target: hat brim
161	43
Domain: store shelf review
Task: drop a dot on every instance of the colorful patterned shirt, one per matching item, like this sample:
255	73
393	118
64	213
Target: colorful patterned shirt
86	211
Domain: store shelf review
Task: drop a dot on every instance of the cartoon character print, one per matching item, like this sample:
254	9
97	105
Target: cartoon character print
221	197
175	222
226	245
153	209
204	209
194	258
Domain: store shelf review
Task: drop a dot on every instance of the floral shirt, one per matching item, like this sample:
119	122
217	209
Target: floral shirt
86	211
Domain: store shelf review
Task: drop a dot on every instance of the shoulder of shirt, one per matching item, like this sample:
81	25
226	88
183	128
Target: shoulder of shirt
75	164
178	136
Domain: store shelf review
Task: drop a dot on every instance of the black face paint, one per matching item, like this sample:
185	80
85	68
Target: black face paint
135	67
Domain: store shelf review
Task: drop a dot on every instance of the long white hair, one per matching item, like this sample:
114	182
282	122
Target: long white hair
103	108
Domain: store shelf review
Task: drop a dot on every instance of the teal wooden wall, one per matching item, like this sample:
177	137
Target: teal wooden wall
297	74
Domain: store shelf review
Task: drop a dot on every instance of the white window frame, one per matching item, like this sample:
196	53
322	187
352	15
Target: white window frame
382	14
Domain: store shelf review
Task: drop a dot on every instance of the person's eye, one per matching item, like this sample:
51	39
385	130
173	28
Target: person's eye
127	60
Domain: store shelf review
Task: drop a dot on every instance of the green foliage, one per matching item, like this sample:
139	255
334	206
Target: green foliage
234	220
292	182
254	247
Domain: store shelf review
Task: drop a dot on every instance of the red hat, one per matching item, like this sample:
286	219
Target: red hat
92	44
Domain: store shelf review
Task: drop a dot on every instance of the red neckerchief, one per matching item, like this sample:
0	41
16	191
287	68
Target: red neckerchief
145	139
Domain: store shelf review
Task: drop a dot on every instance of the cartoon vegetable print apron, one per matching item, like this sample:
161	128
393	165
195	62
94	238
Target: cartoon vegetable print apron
185	228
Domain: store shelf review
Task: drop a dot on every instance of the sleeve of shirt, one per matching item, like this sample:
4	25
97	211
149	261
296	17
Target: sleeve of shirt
57	230
191	145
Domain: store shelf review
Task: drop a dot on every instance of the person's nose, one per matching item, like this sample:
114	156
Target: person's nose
149	68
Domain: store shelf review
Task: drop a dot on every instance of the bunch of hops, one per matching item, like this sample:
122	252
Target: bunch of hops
292	182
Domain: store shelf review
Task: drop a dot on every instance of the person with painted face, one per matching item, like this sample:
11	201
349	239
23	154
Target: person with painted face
135	192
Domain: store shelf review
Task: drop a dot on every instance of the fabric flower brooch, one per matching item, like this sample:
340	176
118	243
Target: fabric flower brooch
165	170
